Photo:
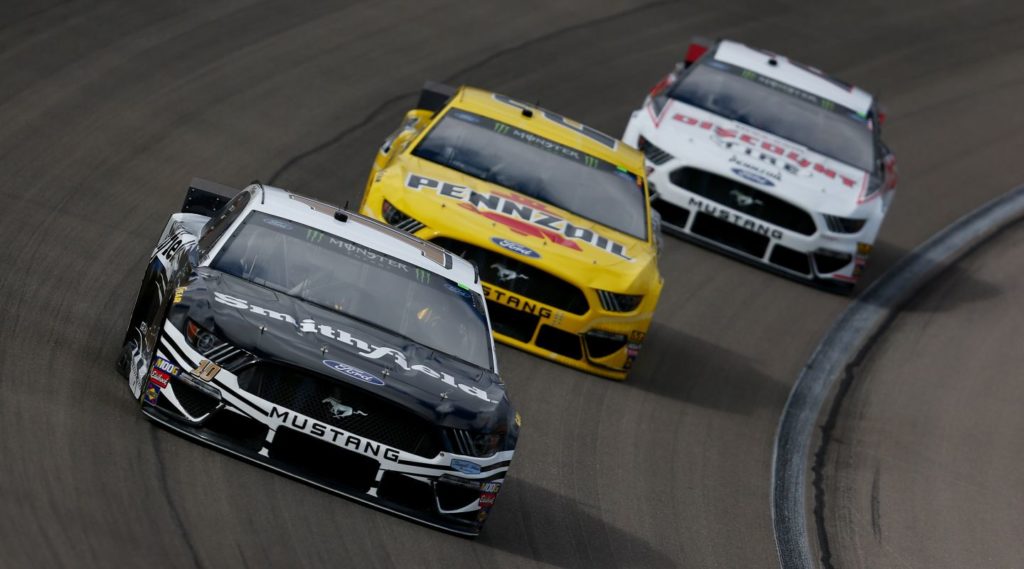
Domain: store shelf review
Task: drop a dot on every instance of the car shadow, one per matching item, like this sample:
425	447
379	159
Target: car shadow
539	524
686	368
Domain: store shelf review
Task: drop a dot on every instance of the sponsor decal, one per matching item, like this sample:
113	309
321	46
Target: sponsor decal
593	134
521	214
363	348
491	487
864	248
152	393
632	350
179	293
465	466
519	420
766	151
165	366
515	247
735	219
354	372
487	499
278	222
159	378
290	419
519	303
206	370
637	336
752	177
339	410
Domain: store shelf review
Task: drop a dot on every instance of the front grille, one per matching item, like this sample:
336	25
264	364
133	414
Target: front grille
838	224
730	235
407	492
831	261
671	213
528	281
614	302
560	342
789	259
309	394
656	155
603	344
452	495
195	402
244	431
511	322
399	219
741	197
322	461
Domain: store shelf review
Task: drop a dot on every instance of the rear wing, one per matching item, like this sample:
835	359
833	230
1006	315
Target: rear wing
206	198
435	96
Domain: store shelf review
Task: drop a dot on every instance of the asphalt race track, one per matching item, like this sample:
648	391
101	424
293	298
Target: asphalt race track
916	475
108	110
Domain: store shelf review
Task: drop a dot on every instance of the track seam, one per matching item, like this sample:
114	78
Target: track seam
376	111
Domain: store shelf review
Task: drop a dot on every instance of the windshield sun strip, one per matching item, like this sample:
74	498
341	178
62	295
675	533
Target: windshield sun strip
542	143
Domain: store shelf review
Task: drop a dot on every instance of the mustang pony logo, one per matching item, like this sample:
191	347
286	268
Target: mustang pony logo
522	215
743	200
507	275
339	410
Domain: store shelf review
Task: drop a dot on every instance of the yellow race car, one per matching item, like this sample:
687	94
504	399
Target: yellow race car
554	214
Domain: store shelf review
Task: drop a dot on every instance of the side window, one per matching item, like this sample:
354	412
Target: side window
219	223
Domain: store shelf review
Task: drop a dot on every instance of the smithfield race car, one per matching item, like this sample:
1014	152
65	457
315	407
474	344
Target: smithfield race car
325	346
554	214
768	160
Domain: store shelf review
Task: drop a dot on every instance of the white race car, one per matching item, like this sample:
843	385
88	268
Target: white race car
768	160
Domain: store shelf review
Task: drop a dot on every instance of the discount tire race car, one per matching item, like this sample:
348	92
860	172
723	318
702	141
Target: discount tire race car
554	214
326	346
768	160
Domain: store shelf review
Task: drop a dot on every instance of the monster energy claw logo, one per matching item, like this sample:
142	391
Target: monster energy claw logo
590	161
748	74
314	235
423	276
501	128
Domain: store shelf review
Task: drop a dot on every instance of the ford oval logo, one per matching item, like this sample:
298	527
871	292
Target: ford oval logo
515	247
465	466
752	177
354	372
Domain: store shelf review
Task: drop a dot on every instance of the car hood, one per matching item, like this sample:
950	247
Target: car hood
488	215
759	159
276	327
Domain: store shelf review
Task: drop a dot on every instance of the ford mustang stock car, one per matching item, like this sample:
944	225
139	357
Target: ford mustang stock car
325	346
768	160
554	214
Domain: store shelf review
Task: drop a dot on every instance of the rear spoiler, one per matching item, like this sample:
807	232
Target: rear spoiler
206	198
435	96
698	47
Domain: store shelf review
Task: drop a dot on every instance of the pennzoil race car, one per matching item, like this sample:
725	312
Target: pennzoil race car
325	346
554	214
768	160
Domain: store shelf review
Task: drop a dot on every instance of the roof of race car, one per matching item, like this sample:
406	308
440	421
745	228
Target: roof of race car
360	229
800	76
566	132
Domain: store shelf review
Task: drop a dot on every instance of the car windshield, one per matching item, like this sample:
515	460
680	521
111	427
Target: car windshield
540	168
359	282
761	102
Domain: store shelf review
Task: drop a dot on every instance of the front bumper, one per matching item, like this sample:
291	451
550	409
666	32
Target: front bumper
221	414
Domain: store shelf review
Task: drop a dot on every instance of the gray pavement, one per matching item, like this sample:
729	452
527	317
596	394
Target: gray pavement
108	109
924	466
